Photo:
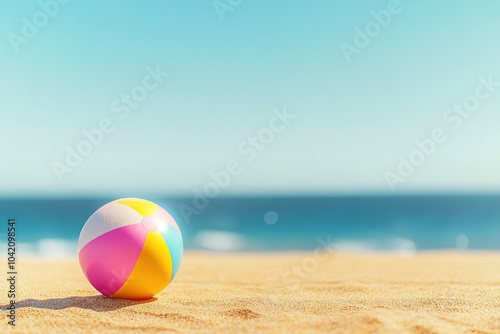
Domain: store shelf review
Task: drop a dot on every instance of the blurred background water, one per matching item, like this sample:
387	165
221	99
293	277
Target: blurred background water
404	225
149	99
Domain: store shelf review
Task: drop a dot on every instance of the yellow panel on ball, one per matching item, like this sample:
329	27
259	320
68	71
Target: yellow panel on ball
145	208
152	271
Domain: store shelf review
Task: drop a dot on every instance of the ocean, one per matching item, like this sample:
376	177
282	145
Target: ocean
50	227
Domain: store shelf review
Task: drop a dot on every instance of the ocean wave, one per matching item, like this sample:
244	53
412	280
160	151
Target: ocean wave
45	249
220	241
397	246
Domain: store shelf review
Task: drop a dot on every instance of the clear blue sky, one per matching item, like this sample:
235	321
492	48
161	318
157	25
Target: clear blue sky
353	119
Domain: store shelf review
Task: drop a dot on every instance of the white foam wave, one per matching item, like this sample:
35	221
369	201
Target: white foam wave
53	249
399	246
220	241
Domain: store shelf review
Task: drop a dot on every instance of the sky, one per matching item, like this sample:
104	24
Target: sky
233	66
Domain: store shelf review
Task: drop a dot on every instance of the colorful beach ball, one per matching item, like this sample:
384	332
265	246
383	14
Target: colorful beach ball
130	248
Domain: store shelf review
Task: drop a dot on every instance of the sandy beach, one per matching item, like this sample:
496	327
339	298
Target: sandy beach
279	293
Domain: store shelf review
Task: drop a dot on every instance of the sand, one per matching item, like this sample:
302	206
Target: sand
280	293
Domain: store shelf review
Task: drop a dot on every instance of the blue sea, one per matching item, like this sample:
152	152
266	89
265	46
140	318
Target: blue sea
50	227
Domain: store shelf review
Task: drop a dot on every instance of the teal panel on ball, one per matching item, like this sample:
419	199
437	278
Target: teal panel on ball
173	238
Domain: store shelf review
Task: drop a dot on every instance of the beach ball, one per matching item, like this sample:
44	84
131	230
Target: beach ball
130	248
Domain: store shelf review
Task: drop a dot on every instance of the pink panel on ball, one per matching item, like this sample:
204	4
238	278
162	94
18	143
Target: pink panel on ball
164	216
108	260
